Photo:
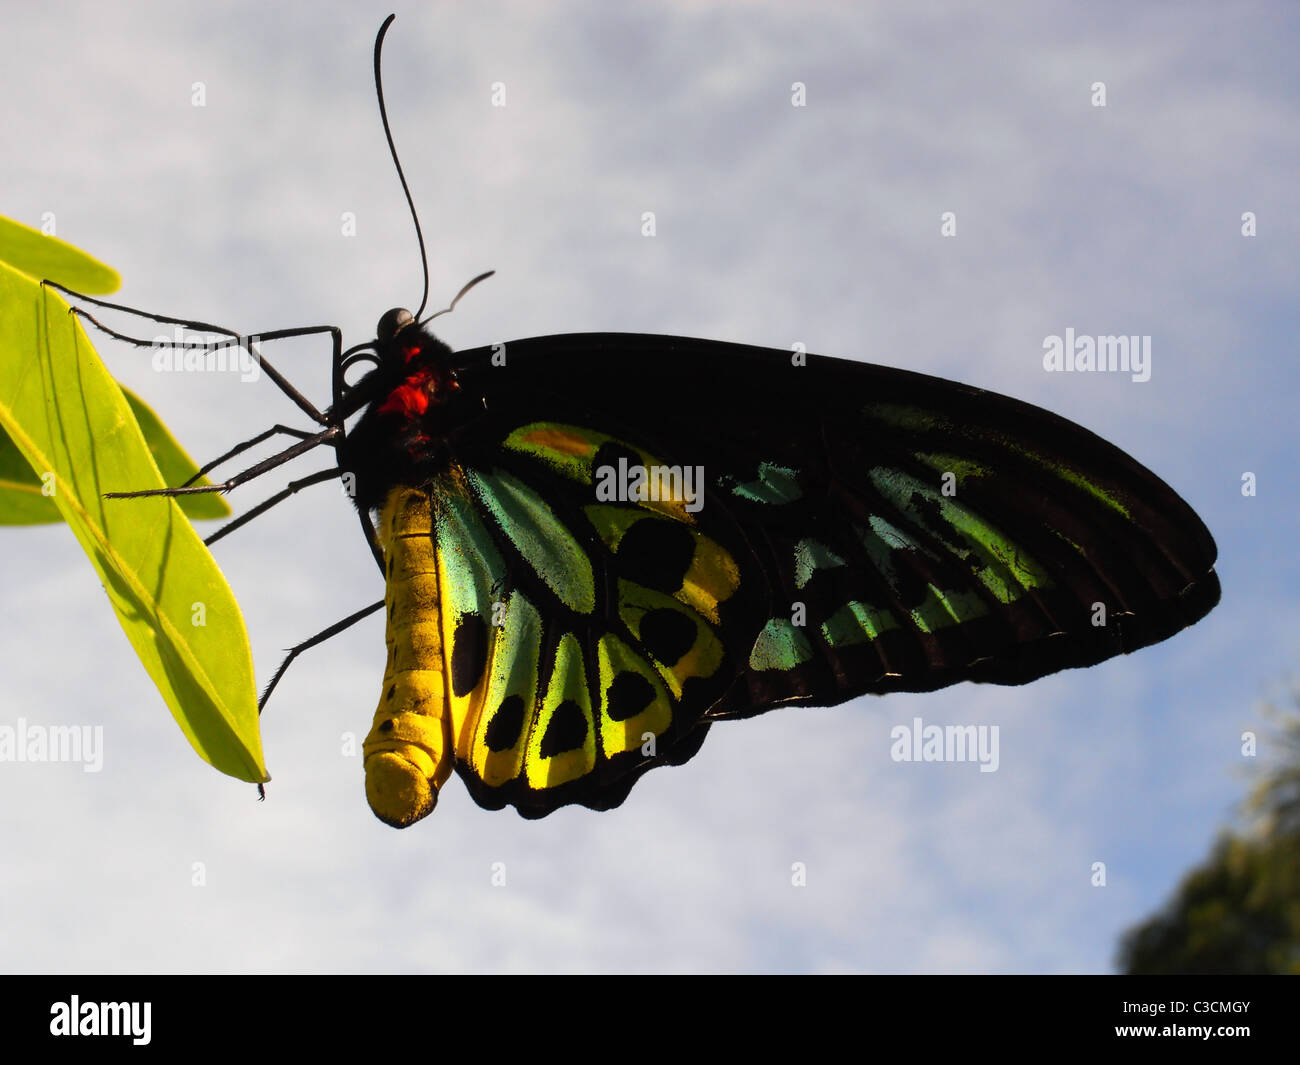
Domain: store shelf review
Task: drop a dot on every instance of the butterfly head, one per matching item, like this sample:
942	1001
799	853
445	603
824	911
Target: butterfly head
392	323
414	365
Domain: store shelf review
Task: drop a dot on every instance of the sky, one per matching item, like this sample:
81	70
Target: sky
775	224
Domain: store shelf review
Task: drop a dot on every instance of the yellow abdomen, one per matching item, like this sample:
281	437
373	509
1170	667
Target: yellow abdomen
410	750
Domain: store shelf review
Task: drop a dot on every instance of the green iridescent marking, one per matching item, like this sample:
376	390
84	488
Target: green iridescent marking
516	654
963	468
779	646
1075	478
516	657
881	541
856	622
566	449
925	421
895	538
1002	567
466	549
902	416
810	556
1005	571
612	523
540	536
941	609
1062	536
775	484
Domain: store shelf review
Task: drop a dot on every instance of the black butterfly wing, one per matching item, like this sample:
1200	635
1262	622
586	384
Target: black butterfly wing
859	529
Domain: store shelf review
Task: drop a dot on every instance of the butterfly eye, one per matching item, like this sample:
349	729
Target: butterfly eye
392	322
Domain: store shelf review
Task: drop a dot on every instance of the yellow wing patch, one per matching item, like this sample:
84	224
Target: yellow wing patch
562	744
681	644
634	704
494	734
573	452
708	574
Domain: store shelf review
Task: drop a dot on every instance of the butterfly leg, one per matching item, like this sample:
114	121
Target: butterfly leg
248	342
294	652
320	637
308	443
239	449
202	327
292	488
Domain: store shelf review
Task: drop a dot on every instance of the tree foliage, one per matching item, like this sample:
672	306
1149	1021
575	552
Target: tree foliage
1239	911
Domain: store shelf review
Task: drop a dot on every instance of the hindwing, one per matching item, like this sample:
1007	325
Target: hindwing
583	639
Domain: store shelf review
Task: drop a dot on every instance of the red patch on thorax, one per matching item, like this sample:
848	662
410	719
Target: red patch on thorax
410	399
424	387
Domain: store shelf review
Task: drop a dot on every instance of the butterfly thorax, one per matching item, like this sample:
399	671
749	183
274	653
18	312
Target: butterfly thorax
415	403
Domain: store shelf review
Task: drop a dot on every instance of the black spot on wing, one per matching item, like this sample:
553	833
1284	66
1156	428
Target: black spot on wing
656	554
503	730
667	634
567	730
609	453
468	653
628	695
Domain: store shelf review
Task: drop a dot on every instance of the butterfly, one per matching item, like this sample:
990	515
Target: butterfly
596	545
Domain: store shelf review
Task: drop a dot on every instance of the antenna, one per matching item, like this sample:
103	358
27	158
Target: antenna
383	114
468	285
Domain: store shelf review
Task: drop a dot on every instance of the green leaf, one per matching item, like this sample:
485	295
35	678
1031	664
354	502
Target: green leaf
174	464
69	420
48	258
21	501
